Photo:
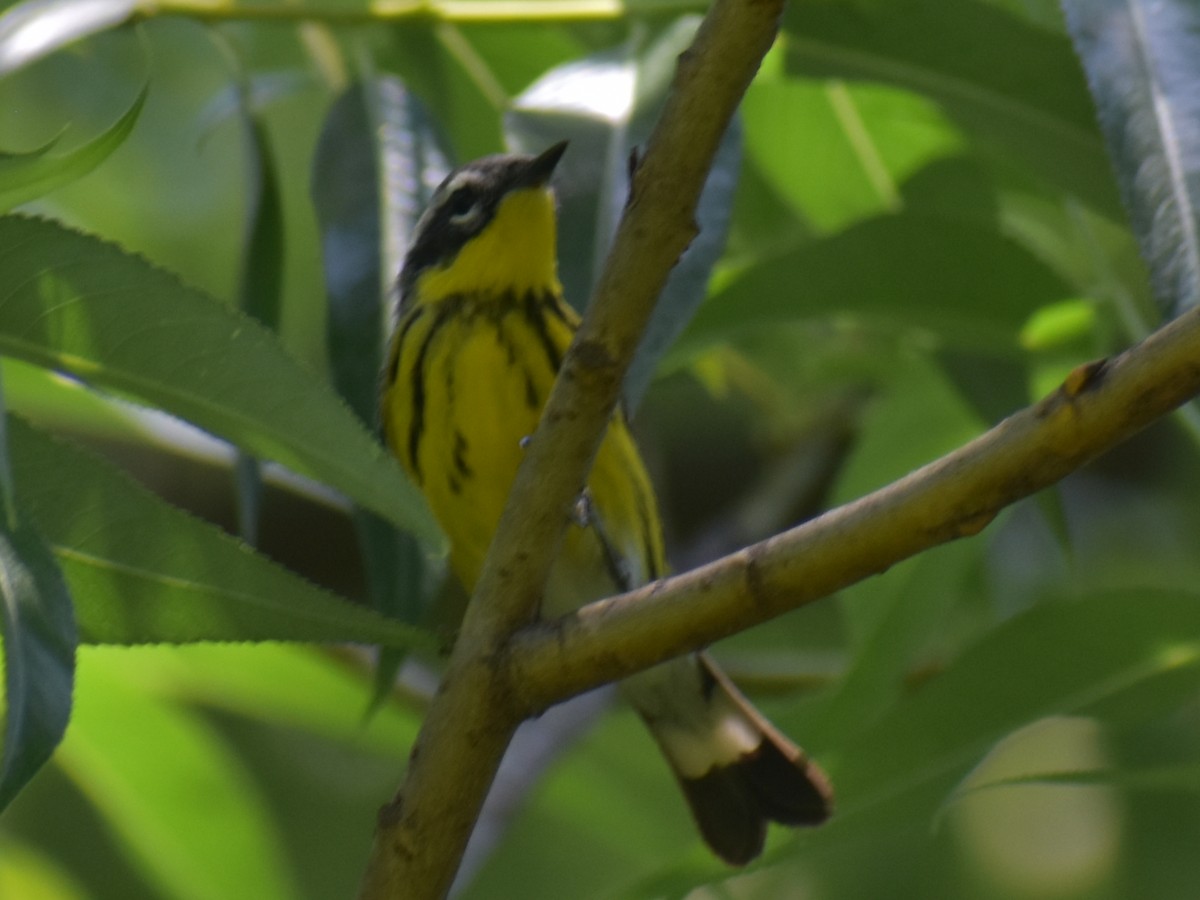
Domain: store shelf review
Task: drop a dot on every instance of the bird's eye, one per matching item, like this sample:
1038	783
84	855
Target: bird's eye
464	206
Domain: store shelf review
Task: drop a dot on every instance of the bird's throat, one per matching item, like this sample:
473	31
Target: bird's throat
514	254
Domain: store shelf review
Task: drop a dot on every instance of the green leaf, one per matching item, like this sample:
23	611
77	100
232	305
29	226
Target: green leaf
261	287
36	28
143	571
611	810
902	613
1014	87
1143	64
969	285
38	631
859	143
26	872
345	190
1174	779
71	302
293	686
28	175
437	60
1122	657
261	284
180	802
1106	656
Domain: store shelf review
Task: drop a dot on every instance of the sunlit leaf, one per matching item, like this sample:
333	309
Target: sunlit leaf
292	686
839	153
176	796
260	287
1013	86
24	872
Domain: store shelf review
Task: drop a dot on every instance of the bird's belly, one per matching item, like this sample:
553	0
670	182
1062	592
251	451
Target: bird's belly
493	405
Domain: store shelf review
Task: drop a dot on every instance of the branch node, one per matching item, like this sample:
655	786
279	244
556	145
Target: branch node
756	588
1082	378
594	356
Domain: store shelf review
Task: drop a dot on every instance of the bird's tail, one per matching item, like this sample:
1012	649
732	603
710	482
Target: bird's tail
736	769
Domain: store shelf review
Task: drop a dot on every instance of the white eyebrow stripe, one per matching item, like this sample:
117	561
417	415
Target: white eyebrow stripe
460	180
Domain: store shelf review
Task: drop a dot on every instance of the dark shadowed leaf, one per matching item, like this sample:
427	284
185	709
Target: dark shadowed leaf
378	161
1106	656
38	631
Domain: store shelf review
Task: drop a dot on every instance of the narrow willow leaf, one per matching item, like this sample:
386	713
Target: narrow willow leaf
1143	64
261	287
26	176
345	193
143	571
176	796
36	28
1173	779
74	303
1030	105
261	283
37	627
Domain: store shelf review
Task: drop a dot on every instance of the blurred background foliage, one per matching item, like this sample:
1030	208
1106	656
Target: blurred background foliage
917	224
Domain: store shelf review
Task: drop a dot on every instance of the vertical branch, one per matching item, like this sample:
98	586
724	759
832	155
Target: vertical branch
423	831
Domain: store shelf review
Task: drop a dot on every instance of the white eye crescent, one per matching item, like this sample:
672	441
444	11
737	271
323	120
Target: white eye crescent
464	206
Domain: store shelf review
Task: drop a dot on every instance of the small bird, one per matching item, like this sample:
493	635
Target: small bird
481	331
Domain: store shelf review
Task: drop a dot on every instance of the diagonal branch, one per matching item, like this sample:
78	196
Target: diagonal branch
1099	405
421	834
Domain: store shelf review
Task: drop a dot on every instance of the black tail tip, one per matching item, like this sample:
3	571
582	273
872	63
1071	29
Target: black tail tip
732	804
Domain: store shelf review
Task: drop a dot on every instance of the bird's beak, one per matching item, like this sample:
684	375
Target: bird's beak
541	167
